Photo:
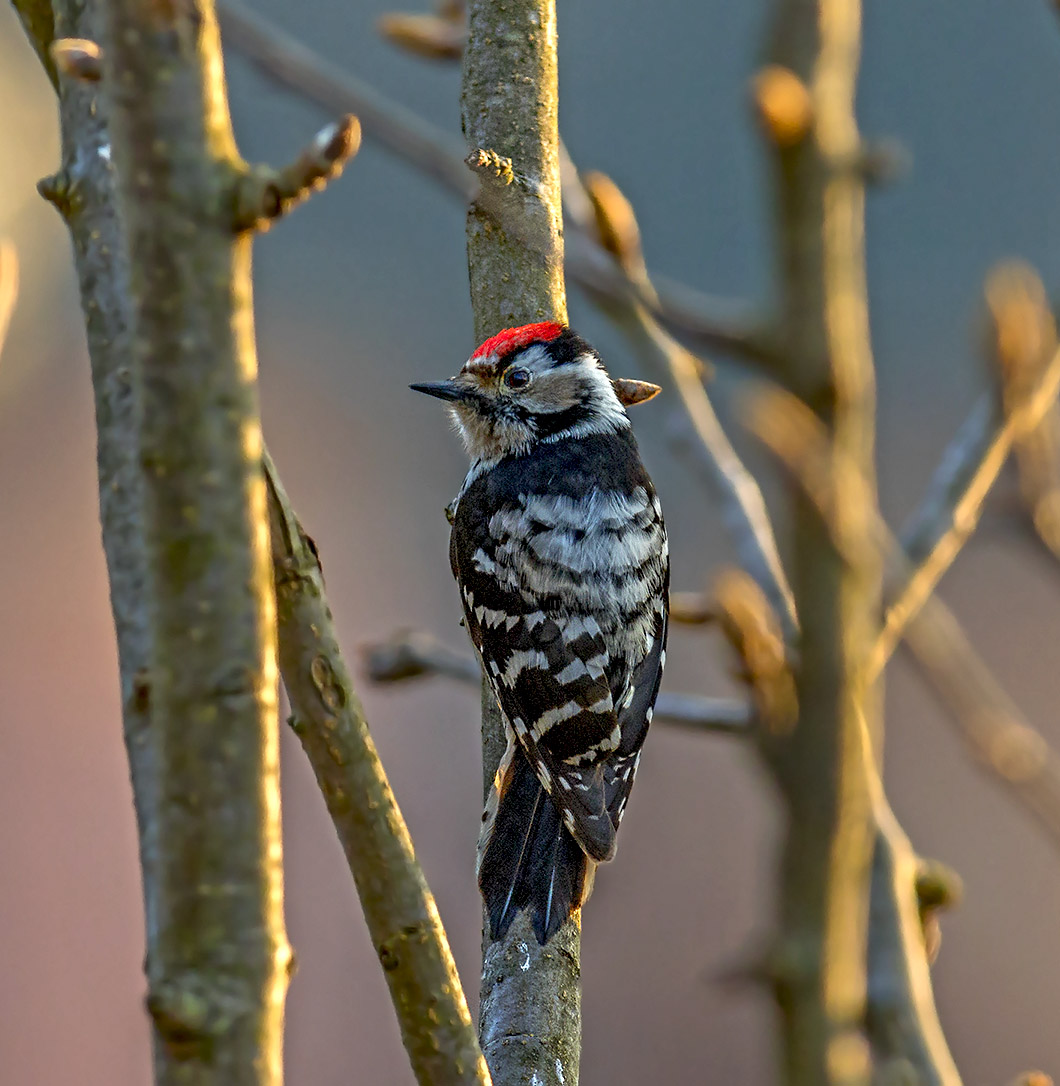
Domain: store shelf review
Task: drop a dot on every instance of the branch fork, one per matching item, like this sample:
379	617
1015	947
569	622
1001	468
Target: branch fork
264	195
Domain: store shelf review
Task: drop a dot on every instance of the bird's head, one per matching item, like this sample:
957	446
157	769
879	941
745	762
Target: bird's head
539	382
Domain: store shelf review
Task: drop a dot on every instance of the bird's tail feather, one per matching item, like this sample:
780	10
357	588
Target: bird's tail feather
534	864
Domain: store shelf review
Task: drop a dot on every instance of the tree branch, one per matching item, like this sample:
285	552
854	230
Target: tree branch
805	99
410	654
398	905
666	360
530	1016
987	718
218	958
901	1020
430	1003
953	505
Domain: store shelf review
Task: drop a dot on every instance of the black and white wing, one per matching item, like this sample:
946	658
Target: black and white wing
567	607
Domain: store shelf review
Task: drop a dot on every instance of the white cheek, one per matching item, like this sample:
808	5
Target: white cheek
456	417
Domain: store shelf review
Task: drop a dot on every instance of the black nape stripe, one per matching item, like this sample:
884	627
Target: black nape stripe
567	347
556	422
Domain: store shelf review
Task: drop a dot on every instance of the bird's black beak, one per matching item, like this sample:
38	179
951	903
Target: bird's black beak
444	390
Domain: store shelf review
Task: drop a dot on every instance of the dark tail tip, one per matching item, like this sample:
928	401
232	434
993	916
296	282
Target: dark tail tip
530	861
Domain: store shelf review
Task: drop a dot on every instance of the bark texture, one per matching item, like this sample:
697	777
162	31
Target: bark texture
218	956
530	1017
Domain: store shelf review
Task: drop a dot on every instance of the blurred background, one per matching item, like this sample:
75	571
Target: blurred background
364	290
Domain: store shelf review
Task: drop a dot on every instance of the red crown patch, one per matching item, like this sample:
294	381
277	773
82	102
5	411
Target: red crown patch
511	339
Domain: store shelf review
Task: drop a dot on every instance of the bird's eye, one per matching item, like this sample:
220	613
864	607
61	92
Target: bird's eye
517	377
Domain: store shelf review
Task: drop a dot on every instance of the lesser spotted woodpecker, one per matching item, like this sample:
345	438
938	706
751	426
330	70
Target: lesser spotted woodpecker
560	554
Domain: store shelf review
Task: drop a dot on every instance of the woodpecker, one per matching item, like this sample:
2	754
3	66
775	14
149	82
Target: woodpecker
559	551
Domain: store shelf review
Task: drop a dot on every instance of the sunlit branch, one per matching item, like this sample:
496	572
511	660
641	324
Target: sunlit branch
994	728
954	503
744	509
398	905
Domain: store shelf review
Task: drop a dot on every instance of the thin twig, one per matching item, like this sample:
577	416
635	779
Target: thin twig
398	906
265	195
410	654
287	61
744	508
712	323
987	718
954	502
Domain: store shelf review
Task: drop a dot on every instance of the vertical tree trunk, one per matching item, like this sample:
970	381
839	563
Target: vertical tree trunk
218	956
807	101
530	1018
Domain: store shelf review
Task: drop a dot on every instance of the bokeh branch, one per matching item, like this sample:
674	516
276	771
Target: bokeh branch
996	731
440	36
987	718
666	360
1024	356
530	1016
901	1019
805	102
1003	741
970	466
902	1023
398	906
